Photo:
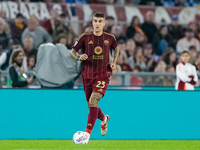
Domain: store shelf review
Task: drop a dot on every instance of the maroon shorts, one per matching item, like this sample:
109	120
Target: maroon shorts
95	85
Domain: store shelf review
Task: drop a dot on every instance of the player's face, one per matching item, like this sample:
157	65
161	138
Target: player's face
185	57
98	24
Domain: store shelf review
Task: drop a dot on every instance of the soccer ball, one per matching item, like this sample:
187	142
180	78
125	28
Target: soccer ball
81	137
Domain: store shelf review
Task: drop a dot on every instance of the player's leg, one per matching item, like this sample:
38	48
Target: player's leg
101	87
93	113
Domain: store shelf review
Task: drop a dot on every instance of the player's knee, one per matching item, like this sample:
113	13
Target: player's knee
93	103
94	99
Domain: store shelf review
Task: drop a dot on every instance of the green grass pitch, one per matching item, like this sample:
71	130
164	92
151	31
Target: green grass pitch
100	145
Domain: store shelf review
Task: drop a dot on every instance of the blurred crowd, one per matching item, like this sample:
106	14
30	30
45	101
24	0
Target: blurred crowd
165	3
144	47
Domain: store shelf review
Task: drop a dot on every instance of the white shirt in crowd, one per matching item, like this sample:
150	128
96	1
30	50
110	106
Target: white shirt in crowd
183	74
183	44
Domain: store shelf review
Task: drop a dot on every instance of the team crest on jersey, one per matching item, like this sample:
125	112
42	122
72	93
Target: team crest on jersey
106	42
98	50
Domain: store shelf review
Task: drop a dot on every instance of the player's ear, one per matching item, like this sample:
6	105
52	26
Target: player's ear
104	22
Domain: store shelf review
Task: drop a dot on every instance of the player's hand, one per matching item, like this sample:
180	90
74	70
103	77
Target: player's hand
30	80
113	66
83	57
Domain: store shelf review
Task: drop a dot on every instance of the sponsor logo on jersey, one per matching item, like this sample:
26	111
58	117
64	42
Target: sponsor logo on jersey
100	90
97	56
75	43
106	42
90	42
98	50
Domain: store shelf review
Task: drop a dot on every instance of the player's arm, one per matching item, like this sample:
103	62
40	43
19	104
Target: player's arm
73	55
181	74
116	54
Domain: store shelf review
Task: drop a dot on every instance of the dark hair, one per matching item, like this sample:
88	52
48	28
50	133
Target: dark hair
63	15
184	52
61	36
14	55
110	18
137	67
99	15
19	15
161	27
166	58
192	47
133	19
188	30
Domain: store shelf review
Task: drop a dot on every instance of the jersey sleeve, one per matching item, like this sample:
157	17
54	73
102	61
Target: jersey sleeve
114	42
79	42
195	74
181	74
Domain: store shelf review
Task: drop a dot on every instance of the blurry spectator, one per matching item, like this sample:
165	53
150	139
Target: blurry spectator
77	1
17	27
175	29
122	49
116	30
49	24
136	80
170	69
62	39
138	59
149	26
4	40
109	23
87	28
122	1
186	3
28	50
138	38
37	33
130	47
162	80
170	59
31	62
197	63
123	60
70	39
187	41
18	78
193	54
35	19
59	28
192	25
151	2
101	1
162	40
197	21
6	25
161	67
135	27
149	57
114	80
5	57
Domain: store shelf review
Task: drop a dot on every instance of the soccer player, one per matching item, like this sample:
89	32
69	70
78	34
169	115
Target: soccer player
96	70
186	73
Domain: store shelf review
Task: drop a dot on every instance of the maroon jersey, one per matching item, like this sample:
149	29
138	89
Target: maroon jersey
97	48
